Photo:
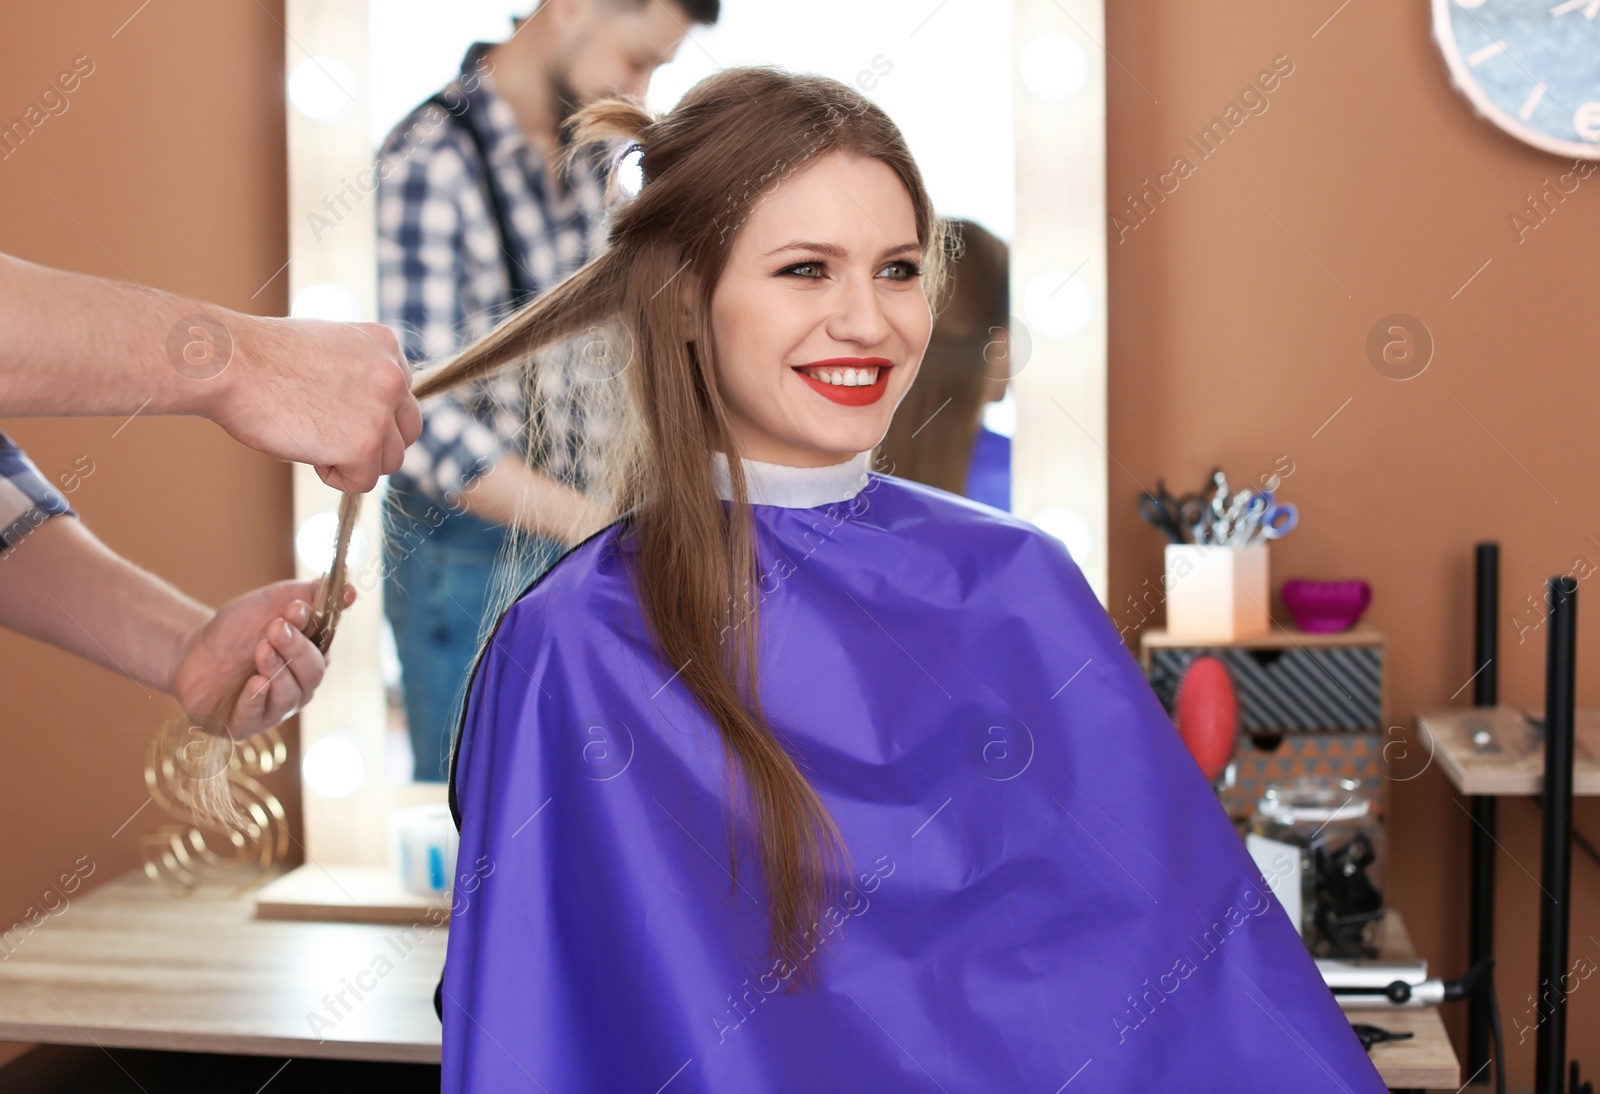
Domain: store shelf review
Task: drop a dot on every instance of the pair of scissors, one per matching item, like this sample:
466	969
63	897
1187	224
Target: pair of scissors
1219	495
1225	517
1263	519
1177	517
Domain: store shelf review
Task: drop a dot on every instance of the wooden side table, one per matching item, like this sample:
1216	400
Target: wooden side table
1327	688
1491	752
1426	1061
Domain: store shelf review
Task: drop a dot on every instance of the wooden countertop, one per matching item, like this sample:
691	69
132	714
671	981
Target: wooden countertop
137	965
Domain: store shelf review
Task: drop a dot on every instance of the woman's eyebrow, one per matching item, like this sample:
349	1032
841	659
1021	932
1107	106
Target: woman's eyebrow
833	250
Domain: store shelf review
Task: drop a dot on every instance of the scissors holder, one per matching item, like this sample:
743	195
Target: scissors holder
1217	592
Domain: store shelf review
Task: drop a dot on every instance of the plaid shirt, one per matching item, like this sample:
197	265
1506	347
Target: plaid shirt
26	498
442	281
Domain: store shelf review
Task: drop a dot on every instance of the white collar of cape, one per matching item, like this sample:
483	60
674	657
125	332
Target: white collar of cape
794	487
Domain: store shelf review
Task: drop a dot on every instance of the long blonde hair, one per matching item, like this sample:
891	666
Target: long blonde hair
733	137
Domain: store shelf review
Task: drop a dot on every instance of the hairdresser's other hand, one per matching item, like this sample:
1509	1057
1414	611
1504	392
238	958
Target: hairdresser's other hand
334	395
264	632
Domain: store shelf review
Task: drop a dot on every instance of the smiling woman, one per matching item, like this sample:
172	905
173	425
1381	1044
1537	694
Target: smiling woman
787	305
685	745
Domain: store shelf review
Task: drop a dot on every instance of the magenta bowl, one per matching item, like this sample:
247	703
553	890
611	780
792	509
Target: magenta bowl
1323	607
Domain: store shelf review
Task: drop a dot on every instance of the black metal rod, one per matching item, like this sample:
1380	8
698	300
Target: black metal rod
1480	928
1550	1054
1485	689
1486	645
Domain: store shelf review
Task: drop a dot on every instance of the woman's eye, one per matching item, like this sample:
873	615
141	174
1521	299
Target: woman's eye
906	270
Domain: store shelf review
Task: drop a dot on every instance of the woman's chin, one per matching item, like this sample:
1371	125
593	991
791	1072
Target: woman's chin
802	452
835	442
817	435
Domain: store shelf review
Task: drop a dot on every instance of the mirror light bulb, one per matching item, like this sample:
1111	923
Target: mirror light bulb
324	88
1053	66
334	767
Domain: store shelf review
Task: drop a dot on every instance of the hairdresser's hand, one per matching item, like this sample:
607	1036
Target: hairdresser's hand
263	631
334	395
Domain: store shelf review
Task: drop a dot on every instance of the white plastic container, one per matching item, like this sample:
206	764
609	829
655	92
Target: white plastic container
422	848
1217	592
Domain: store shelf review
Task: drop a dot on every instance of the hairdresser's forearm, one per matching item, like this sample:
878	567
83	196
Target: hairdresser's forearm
77	344
333	395
512	493
63	586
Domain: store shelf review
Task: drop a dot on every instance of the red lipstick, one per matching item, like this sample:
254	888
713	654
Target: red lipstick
849	396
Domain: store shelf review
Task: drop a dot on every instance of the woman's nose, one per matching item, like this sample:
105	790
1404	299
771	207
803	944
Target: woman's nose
859	316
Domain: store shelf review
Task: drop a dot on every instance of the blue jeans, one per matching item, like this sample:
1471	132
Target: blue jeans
438	567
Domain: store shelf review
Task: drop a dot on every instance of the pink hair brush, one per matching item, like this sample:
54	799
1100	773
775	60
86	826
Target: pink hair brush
1208	715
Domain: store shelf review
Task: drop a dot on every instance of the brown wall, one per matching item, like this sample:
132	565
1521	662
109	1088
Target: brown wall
1230	345
167	168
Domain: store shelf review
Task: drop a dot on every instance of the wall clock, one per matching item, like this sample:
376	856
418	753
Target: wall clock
1532	67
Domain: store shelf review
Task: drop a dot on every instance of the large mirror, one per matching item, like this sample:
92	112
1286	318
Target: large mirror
1003	107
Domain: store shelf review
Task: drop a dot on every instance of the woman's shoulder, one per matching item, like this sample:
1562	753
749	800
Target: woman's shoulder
585	586
974	536
908	503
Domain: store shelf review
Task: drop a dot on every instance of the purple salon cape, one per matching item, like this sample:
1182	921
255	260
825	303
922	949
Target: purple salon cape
1044	893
